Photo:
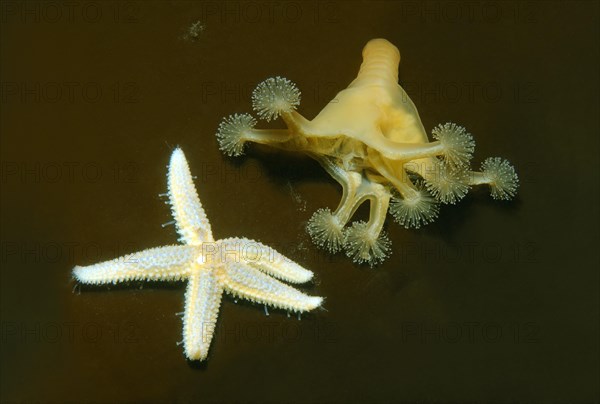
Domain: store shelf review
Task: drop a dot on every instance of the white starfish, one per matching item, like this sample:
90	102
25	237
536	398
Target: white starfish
242	267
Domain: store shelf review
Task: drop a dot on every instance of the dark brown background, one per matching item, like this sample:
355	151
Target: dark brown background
495	301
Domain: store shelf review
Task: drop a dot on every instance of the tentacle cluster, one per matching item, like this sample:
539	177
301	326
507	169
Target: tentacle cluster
326	230
458	145
447	184
230	134
275	96
365	246
503	179
414	210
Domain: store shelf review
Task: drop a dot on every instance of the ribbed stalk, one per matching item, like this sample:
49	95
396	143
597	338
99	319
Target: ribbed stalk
380	64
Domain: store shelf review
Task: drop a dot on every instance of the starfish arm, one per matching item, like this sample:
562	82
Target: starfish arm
192	224
202	302
162	263
264	258
249	283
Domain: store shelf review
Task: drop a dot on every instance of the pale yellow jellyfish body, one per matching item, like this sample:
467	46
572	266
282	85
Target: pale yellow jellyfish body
370	139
